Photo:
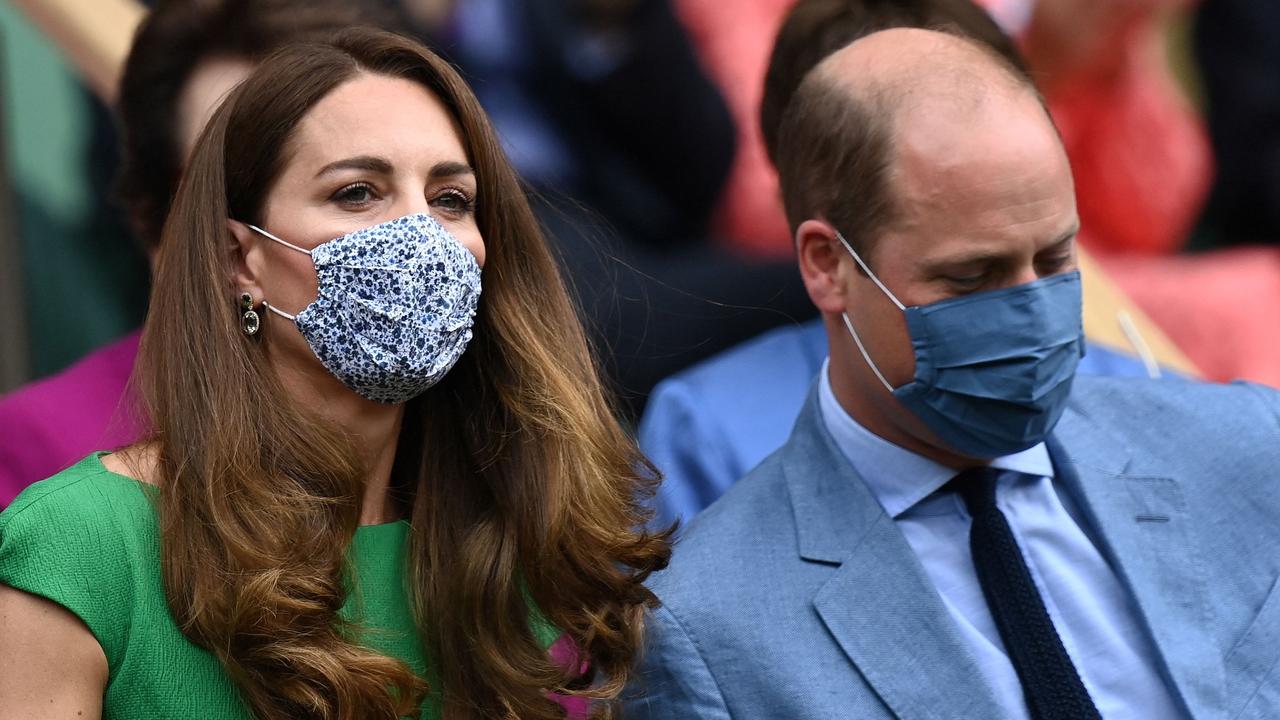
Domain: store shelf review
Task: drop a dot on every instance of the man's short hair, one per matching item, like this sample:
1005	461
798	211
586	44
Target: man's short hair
814	29
832	151
175	37
834	161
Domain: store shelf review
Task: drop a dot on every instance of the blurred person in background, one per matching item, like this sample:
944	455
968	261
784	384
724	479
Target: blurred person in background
1141	155
608	114
1145	164
601	101
381	475
185	57
1139	149
1239	61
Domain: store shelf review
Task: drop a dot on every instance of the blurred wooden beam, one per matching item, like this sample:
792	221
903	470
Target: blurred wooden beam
1111	319
95	35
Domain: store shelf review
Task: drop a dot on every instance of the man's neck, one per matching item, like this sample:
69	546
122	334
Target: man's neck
876	409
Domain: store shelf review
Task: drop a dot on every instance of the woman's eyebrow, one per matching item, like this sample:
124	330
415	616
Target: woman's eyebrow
382	166
450	169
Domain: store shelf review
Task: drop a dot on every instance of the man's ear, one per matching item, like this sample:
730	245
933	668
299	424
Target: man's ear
243	251
823	264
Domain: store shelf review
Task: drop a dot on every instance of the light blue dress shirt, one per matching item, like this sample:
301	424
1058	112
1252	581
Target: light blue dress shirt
708	425
1088	604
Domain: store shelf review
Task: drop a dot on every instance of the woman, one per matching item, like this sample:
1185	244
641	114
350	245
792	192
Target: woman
185	57
339	512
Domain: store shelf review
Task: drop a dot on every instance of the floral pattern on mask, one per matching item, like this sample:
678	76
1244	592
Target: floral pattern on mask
395	307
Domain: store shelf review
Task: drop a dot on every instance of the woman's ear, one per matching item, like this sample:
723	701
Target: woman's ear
244	257
821	257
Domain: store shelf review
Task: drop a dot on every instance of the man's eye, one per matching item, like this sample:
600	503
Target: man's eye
1052	265
968	281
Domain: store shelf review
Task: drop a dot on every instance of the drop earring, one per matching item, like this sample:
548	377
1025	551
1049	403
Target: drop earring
249	321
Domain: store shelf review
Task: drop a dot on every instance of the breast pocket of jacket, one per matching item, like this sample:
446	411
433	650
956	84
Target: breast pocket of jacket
1253	684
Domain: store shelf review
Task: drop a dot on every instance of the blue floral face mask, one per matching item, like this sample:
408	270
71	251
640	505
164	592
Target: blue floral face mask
993	369
395	306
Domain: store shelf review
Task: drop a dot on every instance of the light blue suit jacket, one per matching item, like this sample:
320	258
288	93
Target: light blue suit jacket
795	597
708	425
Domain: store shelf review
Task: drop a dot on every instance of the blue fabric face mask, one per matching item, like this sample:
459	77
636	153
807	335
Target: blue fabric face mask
395	306
993	369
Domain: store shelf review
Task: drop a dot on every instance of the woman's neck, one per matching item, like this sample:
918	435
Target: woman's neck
374	428
378	434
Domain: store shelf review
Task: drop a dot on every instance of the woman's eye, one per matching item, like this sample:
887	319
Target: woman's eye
454	201
355	194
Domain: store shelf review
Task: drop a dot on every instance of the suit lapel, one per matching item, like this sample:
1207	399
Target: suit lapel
879	606
889	620
1143	526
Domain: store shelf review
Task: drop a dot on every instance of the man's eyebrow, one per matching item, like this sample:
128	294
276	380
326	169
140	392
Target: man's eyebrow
977	257
382	166
983	257
1064	239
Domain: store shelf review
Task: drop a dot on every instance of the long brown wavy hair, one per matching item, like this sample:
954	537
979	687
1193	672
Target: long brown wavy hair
525	495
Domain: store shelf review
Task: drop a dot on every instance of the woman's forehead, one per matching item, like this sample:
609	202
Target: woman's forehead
380	116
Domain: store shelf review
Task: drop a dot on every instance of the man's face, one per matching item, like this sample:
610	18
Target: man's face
985	200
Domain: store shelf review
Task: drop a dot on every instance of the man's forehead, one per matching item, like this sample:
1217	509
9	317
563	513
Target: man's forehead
969	151
990	223
997	183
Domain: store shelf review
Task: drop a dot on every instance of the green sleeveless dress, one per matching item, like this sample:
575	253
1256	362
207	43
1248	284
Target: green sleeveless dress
88	539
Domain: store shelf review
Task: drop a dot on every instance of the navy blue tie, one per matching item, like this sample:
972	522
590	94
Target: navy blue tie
1050	683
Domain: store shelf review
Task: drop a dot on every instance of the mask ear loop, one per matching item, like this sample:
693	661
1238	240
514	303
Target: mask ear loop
857	340
845	316
290	245
865	269
269	236
278	311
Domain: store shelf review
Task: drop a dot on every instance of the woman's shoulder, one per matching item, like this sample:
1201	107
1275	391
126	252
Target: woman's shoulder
81	538
83	502
85	495
85	521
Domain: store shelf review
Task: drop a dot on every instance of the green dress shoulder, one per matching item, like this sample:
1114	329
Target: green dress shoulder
88	539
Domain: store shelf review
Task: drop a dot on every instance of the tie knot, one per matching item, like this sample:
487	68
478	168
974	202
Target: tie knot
978	488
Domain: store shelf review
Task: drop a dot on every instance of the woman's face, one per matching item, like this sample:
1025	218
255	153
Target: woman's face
375	149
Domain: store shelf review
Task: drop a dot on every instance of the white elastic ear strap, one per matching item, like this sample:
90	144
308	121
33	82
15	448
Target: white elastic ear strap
268	235
845	316
277	311
867	270
865	355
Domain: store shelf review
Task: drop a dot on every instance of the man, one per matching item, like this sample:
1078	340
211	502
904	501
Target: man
958	527
699	428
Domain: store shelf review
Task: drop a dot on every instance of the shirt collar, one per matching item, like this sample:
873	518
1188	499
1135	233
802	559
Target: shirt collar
900	478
